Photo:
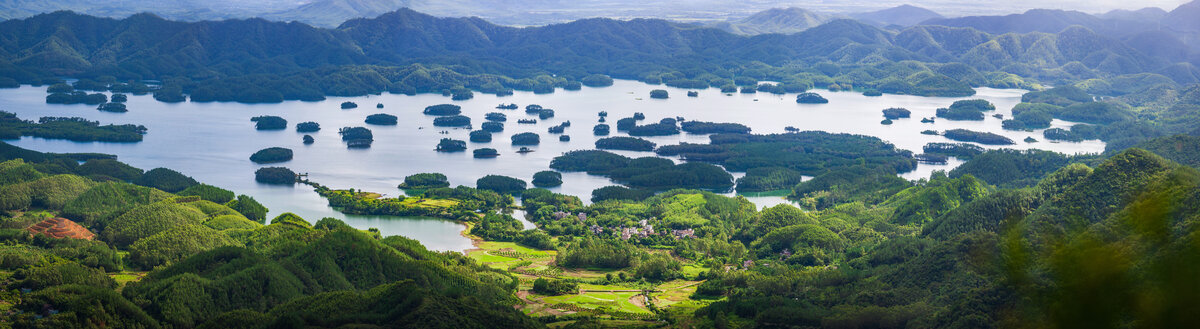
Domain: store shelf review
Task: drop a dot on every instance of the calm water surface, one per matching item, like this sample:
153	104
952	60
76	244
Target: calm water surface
212	142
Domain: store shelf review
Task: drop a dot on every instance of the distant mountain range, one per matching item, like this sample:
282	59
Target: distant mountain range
905	15
749	18
775	20
1182	23
334	12
148	46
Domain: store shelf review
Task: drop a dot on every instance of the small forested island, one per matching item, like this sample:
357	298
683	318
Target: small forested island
811	98
443	109
272	155
382	119
424	181
596	80
693	93
480	136
533	108
547	178
658	94
896	113
500	184
308	127
886	121
564	138
749	90
545	114
113	107
558	129
527	121
275	175
349	105
496	116
451	145
452	121
625	143
356	137
600	130
985	138
308	139
526	138
378	105
654	129
76	97
971	109
507	106
72	129
269	122
492	126
485	153
701	127
119	98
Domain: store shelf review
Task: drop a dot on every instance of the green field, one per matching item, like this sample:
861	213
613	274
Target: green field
617	301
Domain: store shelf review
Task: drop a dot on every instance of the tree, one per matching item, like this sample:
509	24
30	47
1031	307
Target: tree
425	181
547	178
382	119
275	175
272	155
269	122
526	138
500	184
555	287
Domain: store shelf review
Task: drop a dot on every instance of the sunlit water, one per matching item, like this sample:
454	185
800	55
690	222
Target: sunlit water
212	142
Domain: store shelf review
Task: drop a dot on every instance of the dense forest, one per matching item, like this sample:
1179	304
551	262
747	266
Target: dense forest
213	259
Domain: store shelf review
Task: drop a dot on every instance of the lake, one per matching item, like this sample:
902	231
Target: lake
212	142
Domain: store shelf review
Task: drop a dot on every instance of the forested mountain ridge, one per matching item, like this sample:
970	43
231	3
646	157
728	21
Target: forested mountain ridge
295	61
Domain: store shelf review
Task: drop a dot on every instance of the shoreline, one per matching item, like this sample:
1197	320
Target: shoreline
475	241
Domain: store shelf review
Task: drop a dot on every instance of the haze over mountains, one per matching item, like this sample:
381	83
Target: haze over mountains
330	13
